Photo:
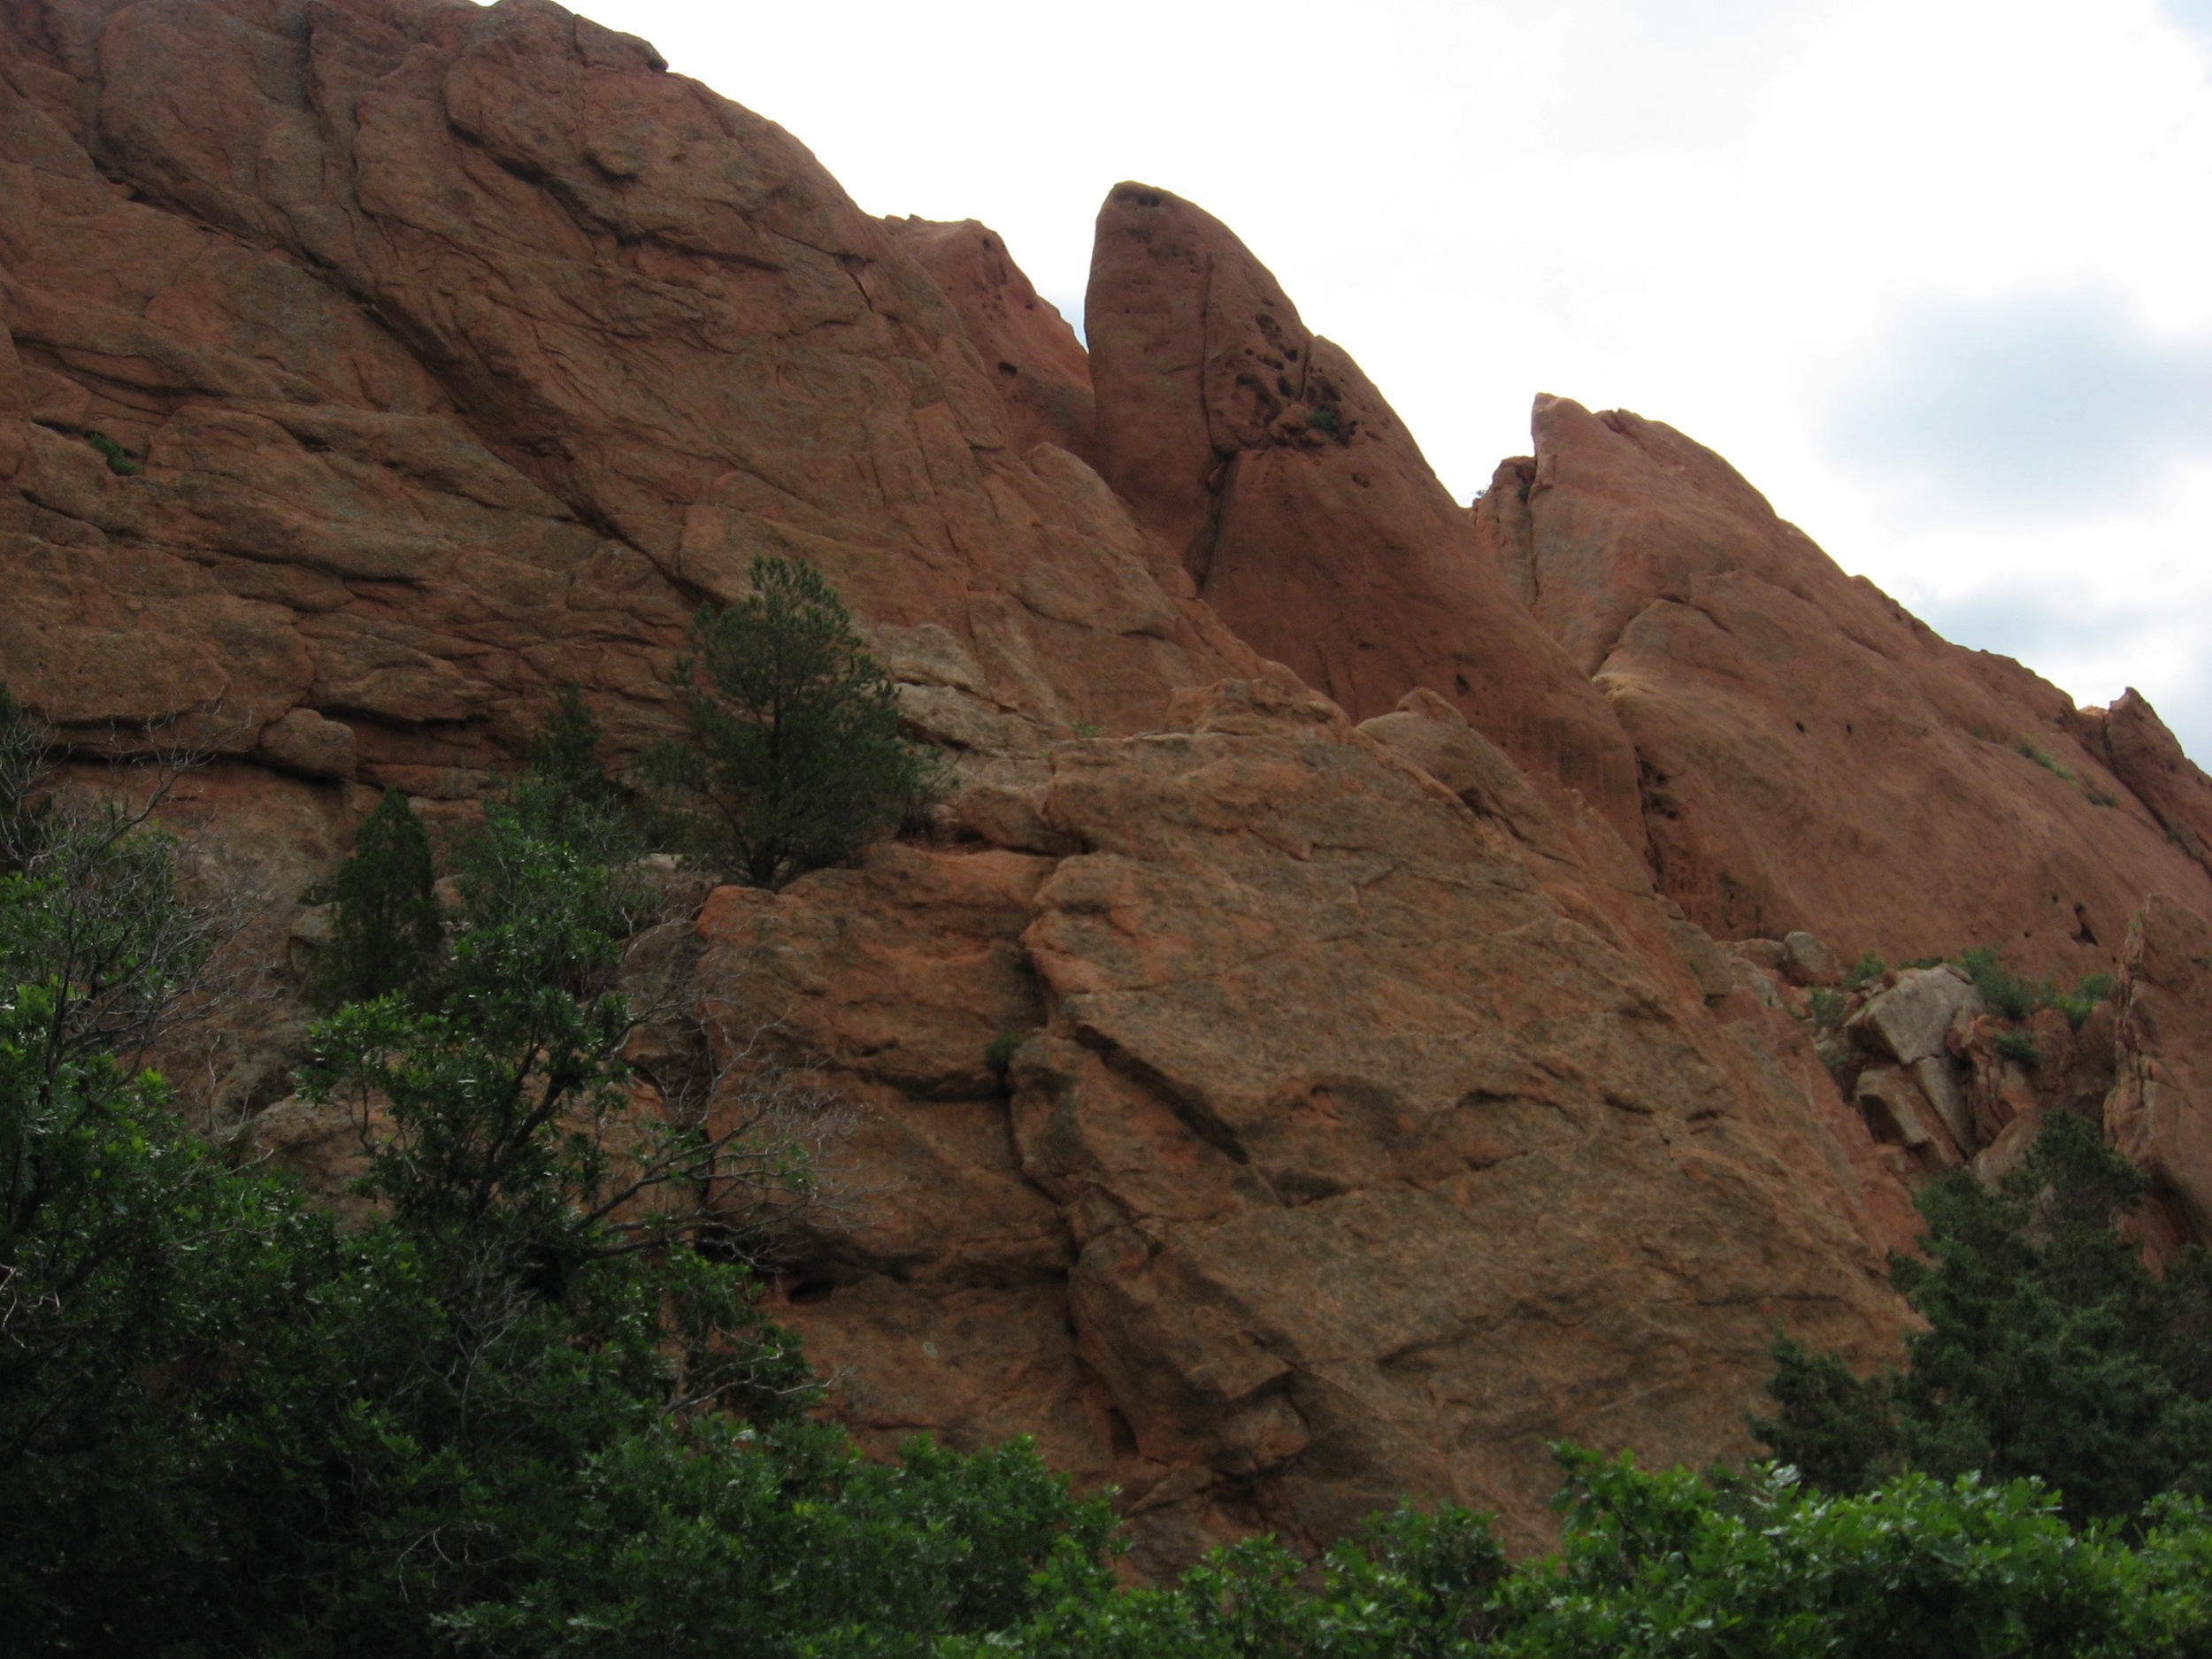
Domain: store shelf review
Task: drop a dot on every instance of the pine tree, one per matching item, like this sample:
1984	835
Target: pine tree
796	759
564	793
386	931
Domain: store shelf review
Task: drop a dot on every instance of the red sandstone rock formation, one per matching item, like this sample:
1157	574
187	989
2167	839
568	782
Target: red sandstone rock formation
1023	344
2130	739
1812	756
462	352
1376	1115
1303	508
1341	1160
2160	1112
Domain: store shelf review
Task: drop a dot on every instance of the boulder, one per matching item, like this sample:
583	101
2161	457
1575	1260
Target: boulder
1810	962
1940	1085
1897	1109
1912	1021
1770	954
303	742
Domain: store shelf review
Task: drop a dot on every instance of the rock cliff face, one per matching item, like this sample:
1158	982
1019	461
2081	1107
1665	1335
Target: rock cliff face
1812	756
461	352
1383	1099
1337	1158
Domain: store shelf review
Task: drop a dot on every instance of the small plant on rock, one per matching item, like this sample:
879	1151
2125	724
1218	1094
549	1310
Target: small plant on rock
1868	968
2041	757
121	461
2017	1045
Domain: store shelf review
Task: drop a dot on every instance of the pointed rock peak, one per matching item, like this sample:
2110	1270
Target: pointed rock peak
1025	347
1304	511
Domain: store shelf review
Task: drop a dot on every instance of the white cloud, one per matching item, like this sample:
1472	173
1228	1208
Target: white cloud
2034	406
1731	215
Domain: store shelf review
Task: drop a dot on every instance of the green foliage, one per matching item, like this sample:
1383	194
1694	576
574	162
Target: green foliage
2017	1045
2041	757
2018	998
2078	1003
385	930
121	461
999	1054
2051	1350
796	758
565	793
1826	1007
2004	991
24	807
1668	1564
531	1406
1838	1431
783	1541
1325	419
1868	968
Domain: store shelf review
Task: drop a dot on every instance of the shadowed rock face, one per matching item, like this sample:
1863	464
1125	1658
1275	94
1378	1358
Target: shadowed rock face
1304	509
2160	1110
1812	756
1375	1115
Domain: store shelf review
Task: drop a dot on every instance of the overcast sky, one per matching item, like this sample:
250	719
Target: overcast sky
1936	275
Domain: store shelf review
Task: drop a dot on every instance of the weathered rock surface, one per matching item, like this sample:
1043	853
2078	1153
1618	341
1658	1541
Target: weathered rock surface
2130	739
461	351
1340	1161
1023	344
1303	508
1812	756
2160	1111
1374	1114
